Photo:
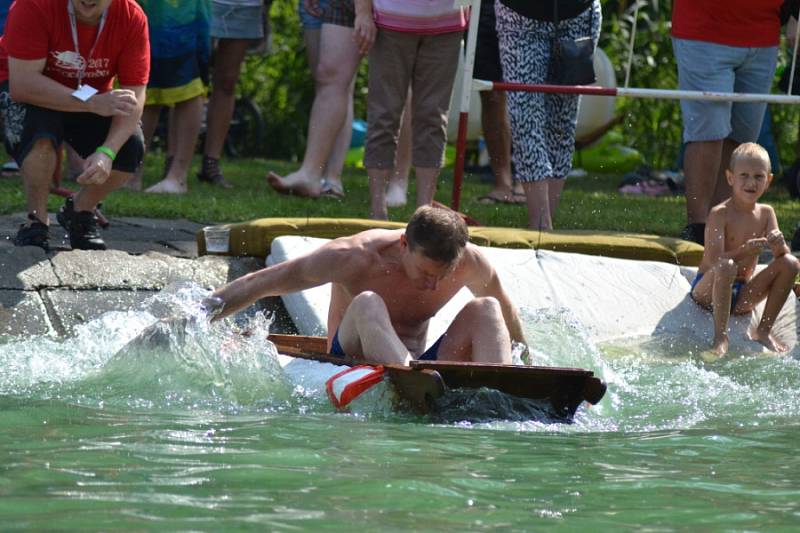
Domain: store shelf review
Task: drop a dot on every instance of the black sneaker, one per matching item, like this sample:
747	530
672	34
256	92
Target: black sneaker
81	227
210	173
33	234
695	232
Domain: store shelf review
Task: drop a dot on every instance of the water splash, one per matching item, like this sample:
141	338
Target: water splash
146	359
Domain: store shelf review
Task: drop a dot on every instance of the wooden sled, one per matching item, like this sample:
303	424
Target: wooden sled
560	390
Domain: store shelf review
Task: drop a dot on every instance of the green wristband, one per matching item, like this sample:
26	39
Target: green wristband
108	151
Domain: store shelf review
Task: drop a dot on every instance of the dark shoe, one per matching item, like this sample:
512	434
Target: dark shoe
81	227
33	234
695	232
210	173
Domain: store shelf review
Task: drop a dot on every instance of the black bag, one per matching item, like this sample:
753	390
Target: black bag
572	60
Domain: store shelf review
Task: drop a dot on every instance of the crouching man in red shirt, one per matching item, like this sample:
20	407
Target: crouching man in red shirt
58	61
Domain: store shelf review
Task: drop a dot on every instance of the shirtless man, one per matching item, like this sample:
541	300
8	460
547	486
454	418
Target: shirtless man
738	230
387	284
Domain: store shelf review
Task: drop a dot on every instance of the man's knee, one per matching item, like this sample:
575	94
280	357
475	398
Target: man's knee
485	307
368	304
40	158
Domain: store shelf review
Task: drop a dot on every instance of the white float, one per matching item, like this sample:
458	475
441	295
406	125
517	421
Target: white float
612	298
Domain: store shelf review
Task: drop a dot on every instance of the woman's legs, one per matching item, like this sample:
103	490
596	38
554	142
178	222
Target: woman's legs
338	61
228	58
187	116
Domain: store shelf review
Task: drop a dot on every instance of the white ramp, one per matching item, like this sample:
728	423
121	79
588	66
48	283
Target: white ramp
613	298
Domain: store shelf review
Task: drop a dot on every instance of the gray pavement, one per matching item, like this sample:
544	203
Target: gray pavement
52	293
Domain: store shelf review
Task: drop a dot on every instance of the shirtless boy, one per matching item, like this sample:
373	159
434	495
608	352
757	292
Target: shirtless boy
737	231
387	284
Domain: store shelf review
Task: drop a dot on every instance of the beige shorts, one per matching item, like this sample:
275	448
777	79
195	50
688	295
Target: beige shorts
428	64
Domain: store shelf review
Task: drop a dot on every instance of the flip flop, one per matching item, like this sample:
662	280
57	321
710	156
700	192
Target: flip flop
332	190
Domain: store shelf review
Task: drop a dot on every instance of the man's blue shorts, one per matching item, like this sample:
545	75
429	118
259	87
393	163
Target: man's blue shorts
705	66
430	354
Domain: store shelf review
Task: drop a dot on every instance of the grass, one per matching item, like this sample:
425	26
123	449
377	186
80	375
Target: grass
590	203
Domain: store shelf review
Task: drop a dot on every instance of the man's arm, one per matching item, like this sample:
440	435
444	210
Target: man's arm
329	263
97	167
487	283
27	84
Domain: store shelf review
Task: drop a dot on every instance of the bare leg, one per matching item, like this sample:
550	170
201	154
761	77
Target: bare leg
724	275
338	62
426	184
554	190
37	173
378	178
701	165
89	196
188	117
722	191
228	60
478	333
366	332
396	194
497	132
537	197
773	283
335	164
150	117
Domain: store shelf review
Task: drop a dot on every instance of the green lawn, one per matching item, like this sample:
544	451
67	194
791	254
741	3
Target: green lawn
588	203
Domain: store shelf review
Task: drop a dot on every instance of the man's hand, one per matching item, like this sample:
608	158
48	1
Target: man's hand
213	306
96	169
119	102
312	7
364	33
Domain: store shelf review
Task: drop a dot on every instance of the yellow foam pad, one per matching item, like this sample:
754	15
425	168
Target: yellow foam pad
254	238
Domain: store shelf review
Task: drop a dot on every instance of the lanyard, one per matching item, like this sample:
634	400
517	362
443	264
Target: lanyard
74	26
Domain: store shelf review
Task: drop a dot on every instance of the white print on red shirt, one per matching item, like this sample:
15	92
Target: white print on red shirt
70	64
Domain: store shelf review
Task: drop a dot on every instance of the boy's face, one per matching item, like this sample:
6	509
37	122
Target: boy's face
749	178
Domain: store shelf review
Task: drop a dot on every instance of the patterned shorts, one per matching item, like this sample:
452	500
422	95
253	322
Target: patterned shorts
340	13
542	125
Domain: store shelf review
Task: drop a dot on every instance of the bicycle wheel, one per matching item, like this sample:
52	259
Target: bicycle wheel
246	133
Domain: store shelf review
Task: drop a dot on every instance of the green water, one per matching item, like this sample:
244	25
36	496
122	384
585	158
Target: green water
208	433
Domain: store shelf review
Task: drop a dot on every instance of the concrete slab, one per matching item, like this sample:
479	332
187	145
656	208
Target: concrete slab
26	268
71	308
23	314
141	247
53	293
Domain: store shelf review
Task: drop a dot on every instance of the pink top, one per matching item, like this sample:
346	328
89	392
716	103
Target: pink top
420	16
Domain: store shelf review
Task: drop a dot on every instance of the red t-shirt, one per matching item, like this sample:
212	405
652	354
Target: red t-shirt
38	29
749	23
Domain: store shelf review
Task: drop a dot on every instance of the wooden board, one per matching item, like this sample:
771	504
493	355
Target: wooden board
562	389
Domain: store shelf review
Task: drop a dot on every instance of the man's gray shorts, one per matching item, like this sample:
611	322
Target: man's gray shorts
704	66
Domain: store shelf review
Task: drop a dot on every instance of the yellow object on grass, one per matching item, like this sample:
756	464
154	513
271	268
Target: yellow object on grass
254	238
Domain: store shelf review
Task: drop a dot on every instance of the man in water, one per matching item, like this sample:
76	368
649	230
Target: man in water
386	286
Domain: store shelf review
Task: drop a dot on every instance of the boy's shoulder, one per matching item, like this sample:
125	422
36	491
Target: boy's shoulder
764	208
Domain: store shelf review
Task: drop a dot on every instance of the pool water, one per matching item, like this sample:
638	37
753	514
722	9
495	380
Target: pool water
198	428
